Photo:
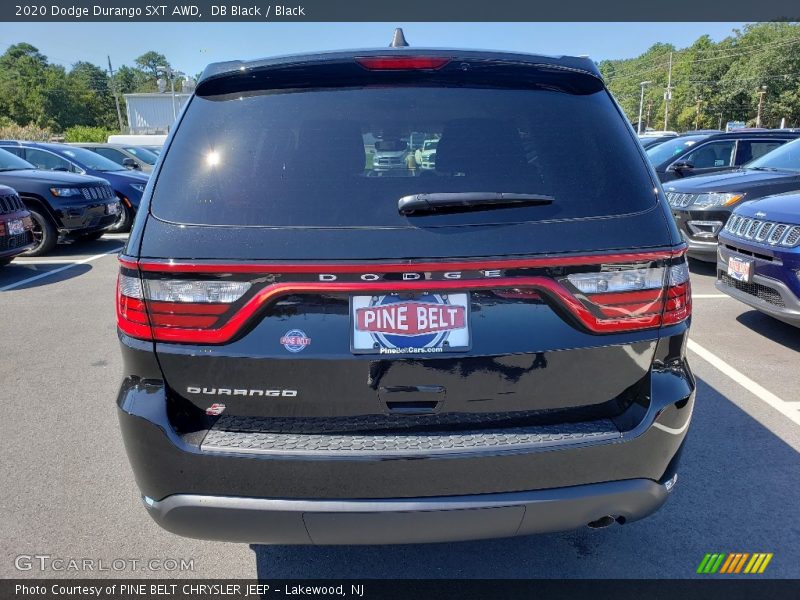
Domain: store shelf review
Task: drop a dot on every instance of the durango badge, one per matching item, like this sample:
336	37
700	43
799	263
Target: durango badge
295	340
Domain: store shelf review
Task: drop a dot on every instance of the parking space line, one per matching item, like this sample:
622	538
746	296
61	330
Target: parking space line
743	380
11	286
44	261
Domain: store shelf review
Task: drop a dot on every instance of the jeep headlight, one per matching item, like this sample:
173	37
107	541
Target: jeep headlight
62	192
716	199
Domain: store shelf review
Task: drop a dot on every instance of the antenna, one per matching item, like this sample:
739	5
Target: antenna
398	39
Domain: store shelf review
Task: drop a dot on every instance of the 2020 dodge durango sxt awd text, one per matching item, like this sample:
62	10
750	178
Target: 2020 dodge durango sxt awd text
316	353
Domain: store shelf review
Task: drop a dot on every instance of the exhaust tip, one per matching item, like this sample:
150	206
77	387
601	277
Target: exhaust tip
602	522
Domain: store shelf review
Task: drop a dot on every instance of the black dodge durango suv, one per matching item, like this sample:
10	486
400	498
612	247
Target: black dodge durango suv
321	352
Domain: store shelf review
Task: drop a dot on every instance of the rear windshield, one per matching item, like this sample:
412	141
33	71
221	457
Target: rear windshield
343	157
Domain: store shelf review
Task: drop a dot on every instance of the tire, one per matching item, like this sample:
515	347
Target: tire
44	234
5	261
124	222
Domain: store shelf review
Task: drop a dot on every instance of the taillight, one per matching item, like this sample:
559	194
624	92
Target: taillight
213	303
153	308
627	297
402	63
678	306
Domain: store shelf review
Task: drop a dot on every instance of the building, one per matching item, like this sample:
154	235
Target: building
153	113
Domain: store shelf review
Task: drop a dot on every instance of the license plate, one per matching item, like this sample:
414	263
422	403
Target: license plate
112	209
400	324
16	227
740	269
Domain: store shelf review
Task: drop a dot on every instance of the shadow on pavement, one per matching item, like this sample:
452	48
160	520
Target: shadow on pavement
737	492
699	267
83	249
21	272
772	329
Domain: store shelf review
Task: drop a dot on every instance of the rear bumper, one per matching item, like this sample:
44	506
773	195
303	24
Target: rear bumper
405	520
287	495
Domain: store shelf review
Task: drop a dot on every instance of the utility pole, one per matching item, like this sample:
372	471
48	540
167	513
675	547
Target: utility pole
649	110
668	94
761	94
114	91
697	114
641	105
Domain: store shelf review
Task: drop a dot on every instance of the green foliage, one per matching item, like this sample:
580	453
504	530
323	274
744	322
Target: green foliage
49	97
84	133
724	76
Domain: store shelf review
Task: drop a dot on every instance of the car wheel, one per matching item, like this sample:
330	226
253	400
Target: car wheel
45	235
124	222
5	261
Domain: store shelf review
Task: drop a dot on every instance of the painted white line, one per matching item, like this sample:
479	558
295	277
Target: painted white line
702	296
11	286
743	380
44	261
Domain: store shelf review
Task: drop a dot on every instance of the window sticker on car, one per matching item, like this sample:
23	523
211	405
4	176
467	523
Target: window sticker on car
394	324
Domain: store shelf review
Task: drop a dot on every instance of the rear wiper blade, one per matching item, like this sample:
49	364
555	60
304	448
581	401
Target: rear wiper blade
466	201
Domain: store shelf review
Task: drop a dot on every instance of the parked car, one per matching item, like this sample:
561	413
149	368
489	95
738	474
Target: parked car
62	205
426	155
701	205
654	140
131	157
16	226
390	154
127	185
670	149
759	256
315	355
693	155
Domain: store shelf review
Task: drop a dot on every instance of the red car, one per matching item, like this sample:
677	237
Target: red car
16	226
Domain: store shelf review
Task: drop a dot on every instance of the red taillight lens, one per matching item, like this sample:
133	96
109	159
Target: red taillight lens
402	63
630	297
155	308
678	306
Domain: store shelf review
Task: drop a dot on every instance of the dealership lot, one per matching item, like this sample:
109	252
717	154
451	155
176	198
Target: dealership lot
68	490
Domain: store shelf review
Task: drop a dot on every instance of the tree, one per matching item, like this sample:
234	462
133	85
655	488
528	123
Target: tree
149	62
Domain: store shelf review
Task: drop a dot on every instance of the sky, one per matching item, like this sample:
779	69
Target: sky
190	47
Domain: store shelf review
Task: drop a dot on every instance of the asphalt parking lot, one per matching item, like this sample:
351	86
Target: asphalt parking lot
68	491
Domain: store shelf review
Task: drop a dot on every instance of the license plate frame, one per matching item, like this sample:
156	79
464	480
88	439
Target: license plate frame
15	227
740	269
454	334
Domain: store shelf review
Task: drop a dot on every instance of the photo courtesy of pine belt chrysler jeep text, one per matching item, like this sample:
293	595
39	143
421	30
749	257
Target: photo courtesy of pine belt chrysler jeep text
321	351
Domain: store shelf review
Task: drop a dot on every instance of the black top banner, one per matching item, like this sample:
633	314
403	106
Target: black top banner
398	10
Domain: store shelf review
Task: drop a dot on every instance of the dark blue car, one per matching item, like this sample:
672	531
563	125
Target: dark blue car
759	256
127	185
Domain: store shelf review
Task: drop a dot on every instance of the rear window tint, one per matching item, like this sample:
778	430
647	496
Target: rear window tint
343	157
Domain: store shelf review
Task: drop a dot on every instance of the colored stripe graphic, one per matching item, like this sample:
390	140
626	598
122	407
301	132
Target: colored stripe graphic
734	563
